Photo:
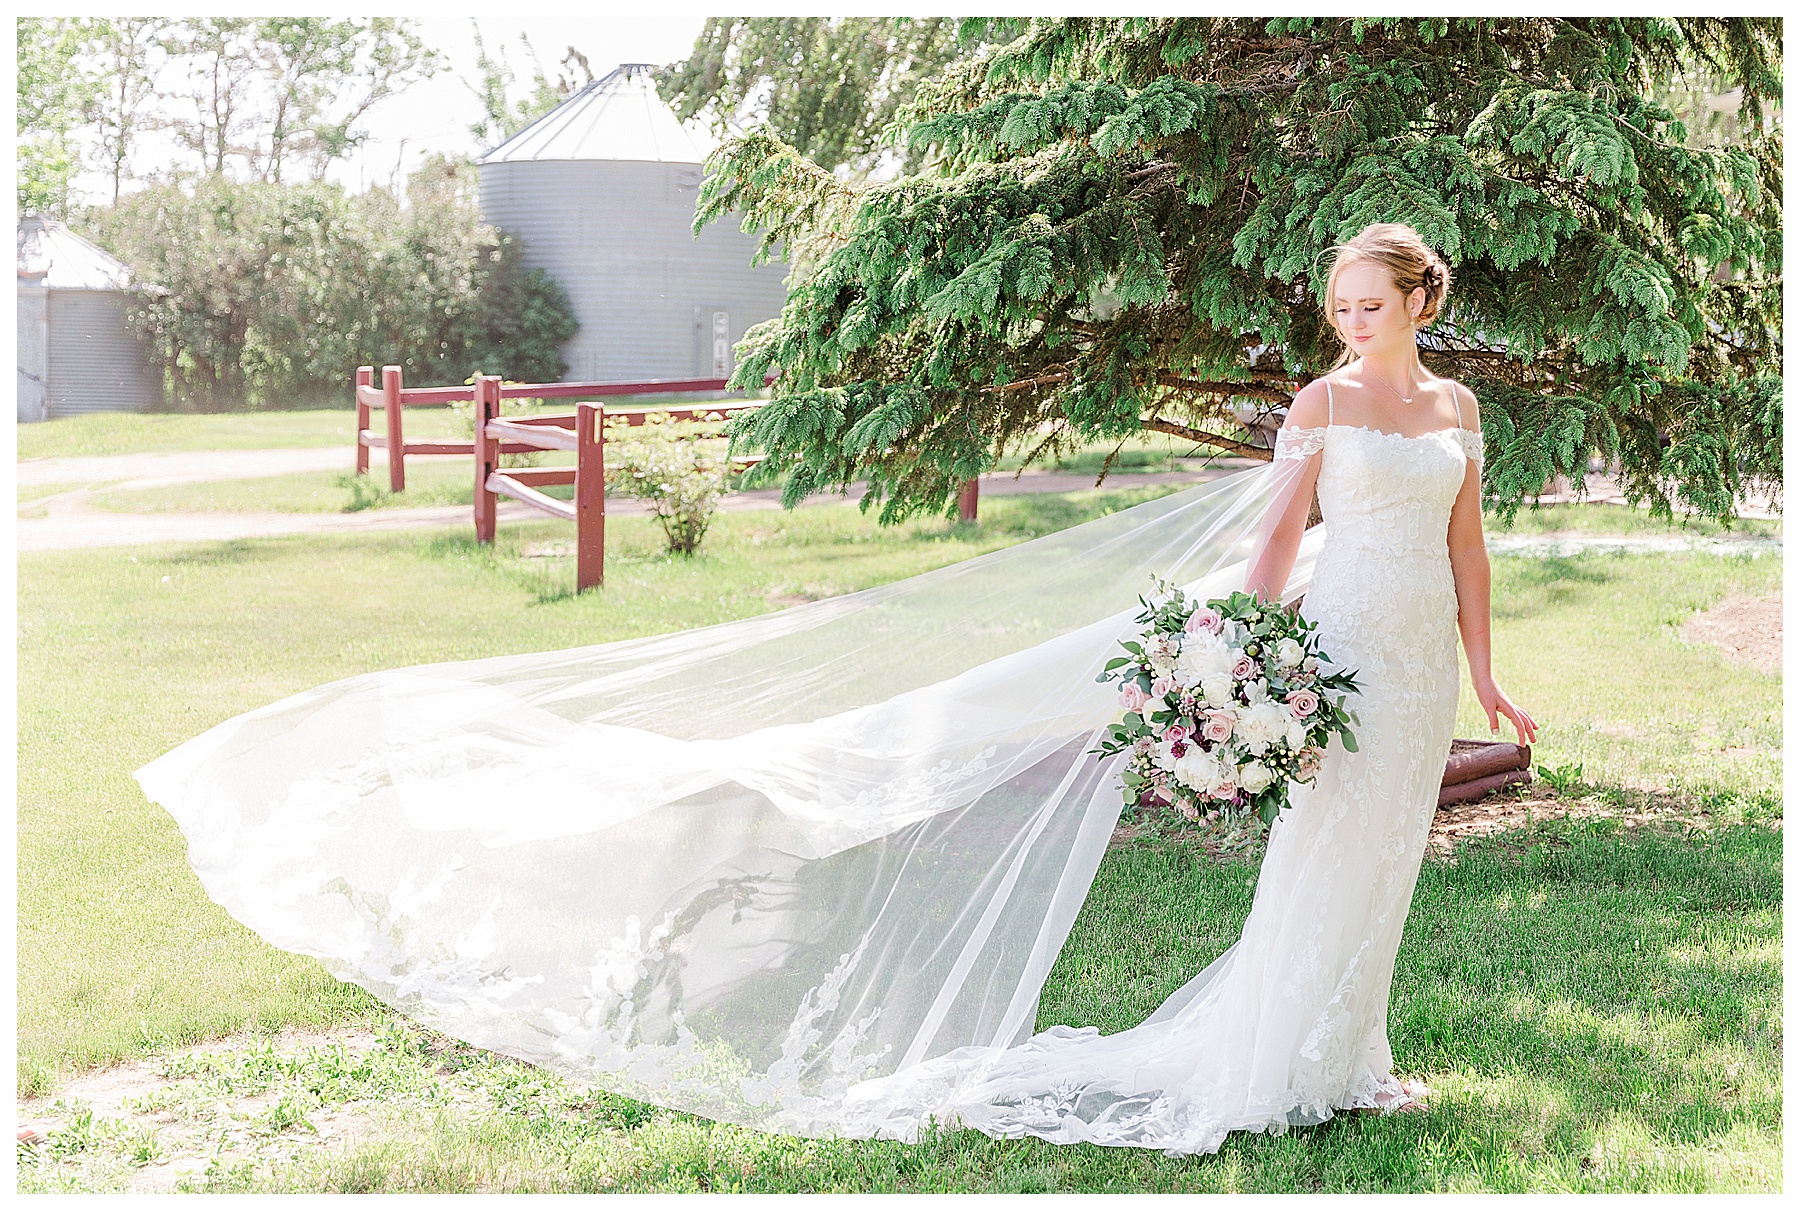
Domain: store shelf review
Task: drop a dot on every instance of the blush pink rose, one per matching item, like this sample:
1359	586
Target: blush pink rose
1225	790
1176	732
1217	727
1204	618
1162	687
1303	703
1132	697
1244	669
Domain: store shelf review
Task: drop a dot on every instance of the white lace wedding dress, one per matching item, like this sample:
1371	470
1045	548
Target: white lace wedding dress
1290	1023
808	871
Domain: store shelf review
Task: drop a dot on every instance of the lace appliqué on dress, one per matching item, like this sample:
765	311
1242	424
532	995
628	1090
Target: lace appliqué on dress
1299	443
1471	444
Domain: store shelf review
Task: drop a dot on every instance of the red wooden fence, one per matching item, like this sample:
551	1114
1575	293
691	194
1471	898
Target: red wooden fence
583	432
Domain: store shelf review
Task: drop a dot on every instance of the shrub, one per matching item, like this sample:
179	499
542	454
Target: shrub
680	467
274	293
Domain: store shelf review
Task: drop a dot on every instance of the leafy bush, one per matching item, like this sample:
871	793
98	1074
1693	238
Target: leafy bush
680	467
273	294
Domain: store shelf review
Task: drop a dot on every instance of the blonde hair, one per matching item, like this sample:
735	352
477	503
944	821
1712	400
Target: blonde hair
1409	261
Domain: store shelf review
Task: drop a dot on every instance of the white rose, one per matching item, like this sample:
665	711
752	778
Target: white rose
1260	725
1216	690
1289	653
1295	734
1198	769
1255	777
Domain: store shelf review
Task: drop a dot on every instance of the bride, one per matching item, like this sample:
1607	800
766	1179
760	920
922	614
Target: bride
809	871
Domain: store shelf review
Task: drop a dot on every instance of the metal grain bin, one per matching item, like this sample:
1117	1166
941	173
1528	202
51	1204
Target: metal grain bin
75	353
601	190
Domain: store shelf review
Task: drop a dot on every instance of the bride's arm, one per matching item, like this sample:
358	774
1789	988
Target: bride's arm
1284	522
1469	567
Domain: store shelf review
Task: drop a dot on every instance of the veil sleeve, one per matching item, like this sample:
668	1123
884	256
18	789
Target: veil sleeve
1293	475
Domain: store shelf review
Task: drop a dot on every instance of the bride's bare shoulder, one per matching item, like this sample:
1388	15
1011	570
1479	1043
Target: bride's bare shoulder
1308	411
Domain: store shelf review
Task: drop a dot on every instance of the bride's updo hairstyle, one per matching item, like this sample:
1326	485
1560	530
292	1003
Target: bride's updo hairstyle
1409	261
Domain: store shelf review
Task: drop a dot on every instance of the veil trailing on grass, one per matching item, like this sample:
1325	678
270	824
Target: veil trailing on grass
734	870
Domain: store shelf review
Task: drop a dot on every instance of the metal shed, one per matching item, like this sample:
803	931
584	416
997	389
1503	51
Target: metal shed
75	353
601	189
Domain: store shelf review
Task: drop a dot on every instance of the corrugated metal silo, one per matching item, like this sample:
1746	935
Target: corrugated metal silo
601	190
75	353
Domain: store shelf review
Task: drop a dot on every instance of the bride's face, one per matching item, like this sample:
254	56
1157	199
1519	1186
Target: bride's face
1371	313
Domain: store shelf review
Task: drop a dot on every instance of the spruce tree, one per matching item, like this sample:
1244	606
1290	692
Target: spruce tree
1119	225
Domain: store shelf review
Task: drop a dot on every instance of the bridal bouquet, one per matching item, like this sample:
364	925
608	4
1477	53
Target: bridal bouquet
1226	704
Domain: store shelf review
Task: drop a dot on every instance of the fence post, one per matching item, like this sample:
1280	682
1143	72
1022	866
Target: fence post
971	496
590	496
487	459
396	444
365	377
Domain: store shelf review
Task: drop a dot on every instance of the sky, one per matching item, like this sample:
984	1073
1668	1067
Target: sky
434	115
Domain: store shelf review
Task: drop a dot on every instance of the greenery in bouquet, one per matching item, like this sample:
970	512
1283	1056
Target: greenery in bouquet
1226	705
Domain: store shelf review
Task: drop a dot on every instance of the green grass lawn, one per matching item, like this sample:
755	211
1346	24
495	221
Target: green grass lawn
1595	1009
174	432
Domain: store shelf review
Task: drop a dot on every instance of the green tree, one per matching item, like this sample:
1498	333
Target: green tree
124	52
323	75
263	92
273	294
827	86
502	115
1119	225
54	95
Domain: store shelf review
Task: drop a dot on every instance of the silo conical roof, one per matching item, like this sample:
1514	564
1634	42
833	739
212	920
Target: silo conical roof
617	117
52	254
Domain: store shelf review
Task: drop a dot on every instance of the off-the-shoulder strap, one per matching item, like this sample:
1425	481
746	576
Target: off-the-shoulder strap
1471	444
1299	443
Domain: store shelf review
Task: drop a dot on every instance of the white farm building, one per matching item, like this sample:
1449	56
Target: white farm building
75	354
601	191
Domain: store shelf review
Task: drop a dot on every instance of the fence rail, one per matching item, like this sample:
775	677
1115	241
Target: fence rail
583	432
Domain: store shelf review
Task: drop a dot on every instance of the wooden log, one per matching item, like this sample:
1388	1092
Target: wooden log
439	448
536	437
538	477
590	498
1480	788
487	457
1472	759
969	500
396	443
506	485
365	381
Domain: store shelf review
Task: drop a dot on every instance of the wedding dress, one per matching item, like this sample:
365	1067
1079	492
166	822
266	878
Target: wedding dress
808	871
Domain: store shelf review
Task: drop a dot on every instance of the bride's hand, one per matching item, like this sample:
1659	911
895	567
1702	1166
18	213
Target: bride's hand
1495	702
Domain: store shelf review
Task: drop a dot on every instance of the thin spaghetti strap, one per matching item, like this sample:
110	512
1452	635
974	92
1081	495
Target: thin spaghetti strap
1456	398
1328	399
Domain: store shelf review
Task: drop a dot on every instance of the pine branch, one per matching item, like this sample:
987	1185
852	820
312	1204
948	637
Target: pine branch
1176	429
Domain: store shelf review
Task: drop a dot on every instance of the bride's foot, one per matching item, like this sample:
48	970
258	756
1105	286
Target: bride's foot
1410	1099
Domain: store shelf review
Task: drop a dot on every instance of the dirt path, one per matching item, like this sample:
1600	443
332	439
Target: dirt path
187	467
71	521
1746	629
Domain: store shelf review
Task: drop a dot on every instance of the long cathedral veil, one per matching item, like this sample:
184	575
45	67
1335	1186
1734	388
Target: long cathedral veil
733	870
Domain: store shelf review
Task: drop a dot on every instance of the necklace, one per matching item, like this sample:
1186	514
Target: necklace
1405	399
